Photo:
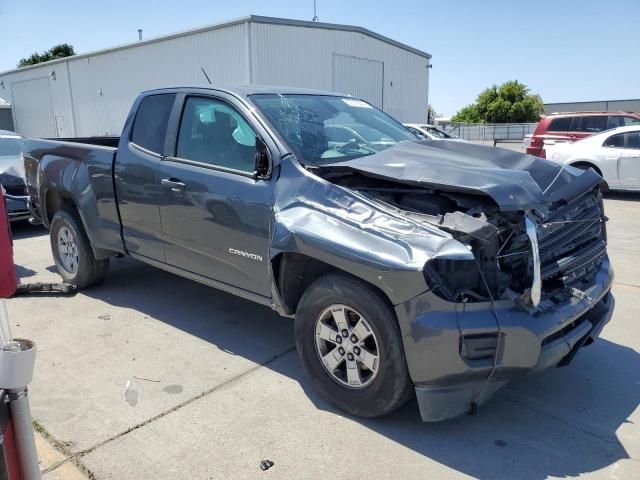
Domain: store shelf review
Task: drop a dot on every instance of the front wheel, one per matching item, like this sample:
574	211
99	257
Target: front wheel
72	251
350	345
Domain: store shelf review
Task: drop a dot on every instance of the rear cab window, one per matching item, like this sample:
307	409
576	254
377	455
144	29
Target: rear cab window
150	126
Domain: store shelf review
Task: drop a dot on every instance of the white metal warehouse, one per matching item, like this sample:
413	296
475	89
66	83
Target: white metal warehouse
90	94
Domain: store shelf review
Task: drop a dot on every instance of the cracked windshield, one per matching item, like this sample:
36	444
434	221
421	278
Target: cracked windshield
325	129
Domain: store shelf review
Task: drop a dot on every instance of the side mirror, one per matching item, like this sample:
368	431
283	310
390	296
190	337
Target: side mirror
263	159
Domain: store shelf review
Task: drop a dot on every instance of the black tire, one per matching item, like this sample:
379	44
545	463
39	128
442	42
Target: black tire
391	387
89	271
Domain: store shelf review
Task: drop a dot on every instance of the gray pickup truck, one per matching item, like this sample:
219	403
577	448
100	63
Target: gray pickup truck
437	269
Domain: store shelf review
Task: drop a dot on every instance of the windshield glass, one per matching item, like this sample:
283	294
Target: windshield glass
324	128
437	132
10	146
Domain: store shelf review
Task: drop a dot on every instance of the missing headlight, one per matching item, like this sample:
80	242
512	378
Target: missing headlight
451	279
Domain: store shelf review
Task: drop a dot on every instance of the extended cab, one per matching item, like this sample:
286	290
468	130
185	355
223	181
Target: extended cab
441	269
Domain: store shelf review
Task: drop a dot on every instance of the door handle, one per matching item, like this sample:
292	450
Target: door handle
174	184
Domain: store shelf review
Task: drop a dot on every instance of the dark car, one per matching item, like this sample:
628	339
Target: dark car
12	175
441	270
569	127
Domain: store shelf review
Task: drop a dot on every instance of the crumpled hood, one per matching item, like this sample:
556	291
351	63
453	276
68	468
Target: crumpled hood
515	181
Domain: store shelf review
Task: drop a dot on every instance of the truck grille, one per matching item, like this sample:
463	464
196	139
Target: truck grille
572	242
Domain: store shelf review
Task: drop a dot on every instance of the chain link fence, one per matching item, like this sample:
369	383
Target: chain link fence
490	132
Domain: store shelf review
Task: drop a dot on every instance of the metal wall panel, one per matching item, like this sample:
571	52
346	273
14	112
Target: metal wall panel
91	94
105	85
303	57
360	77
600	106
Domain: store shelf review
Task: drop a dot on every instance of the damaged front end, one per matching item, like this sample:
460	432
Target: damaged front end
525	289
534	257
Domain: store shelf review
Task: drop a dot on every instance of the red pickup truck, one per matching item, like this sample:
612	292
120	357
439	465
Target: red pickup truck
569	127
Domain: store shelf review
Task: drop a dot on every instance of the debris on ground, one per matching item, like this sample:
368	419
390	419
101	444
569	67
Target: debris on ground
147	379
45	289
131	393
266	465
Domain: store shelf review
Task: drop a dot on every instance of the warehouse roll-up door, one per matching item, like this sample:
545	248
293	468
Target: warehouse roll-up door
32	108
360	77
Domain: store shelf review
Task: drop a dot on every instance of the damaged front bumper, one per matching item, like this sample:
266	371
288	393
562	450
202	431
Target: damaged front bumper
459	354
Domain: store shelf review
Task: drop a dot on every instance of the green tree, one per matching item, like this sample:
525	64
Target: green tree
511	102
57	51
431	114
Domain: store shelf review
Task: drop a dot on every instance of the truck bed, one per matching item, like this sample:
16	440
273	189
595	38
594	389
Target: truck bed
110	141
79	169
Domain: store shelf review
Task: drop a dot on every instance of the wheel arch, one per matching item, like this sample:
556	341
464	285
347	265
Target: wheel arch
295	272
56	200
585	163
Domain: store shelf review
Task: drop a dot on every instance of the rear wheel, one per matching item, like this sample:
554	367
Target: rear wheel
72	251
350	345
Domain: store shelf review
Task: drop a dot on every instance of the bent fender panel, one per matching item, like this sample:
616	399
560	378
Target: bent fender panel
335	225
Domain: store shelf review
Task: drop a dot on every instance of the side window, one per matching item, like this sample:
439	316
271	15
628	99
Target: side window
633	140
630	121
575	124
560	124
213	132
150	125
616	121
594	123
614	141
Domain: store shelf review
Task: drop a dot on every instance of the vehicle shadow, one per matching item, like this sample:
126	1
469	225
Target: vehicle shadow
23	229
622	196
561	423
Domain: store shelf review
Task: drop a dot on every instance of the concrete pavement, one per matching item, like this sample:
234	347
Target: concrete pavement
220	388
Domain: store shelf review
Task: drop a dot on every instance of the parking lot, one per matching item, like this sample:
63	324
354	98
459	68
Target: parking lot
221	389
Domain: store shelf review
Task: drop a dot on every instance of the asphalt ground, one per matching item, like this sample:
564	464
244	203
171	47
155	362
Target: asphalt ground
220	388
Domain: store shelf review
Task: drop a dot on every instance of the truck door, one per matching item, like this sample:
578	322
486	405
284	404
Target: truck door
136	170
629	170
216	215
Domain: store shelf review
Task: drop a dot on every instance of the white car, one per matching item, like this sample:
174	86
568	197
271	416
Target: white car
614	154
430	132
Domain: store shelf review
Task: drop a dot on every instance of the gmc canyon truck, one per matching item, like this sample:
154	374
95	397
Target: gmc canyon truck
437	269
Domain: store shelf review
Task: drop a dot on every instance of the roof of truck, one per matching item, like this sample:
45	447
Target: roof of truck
247	90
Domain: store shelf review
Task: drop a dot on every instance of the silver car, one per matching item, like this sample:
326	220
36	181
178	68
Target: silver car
426	131
12	175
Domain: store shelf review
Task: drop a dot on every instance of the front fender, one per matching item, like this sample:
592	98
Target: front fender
336	226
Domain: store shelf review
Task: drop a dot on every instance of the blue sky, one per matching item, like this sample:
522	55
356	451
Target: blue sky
564	50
